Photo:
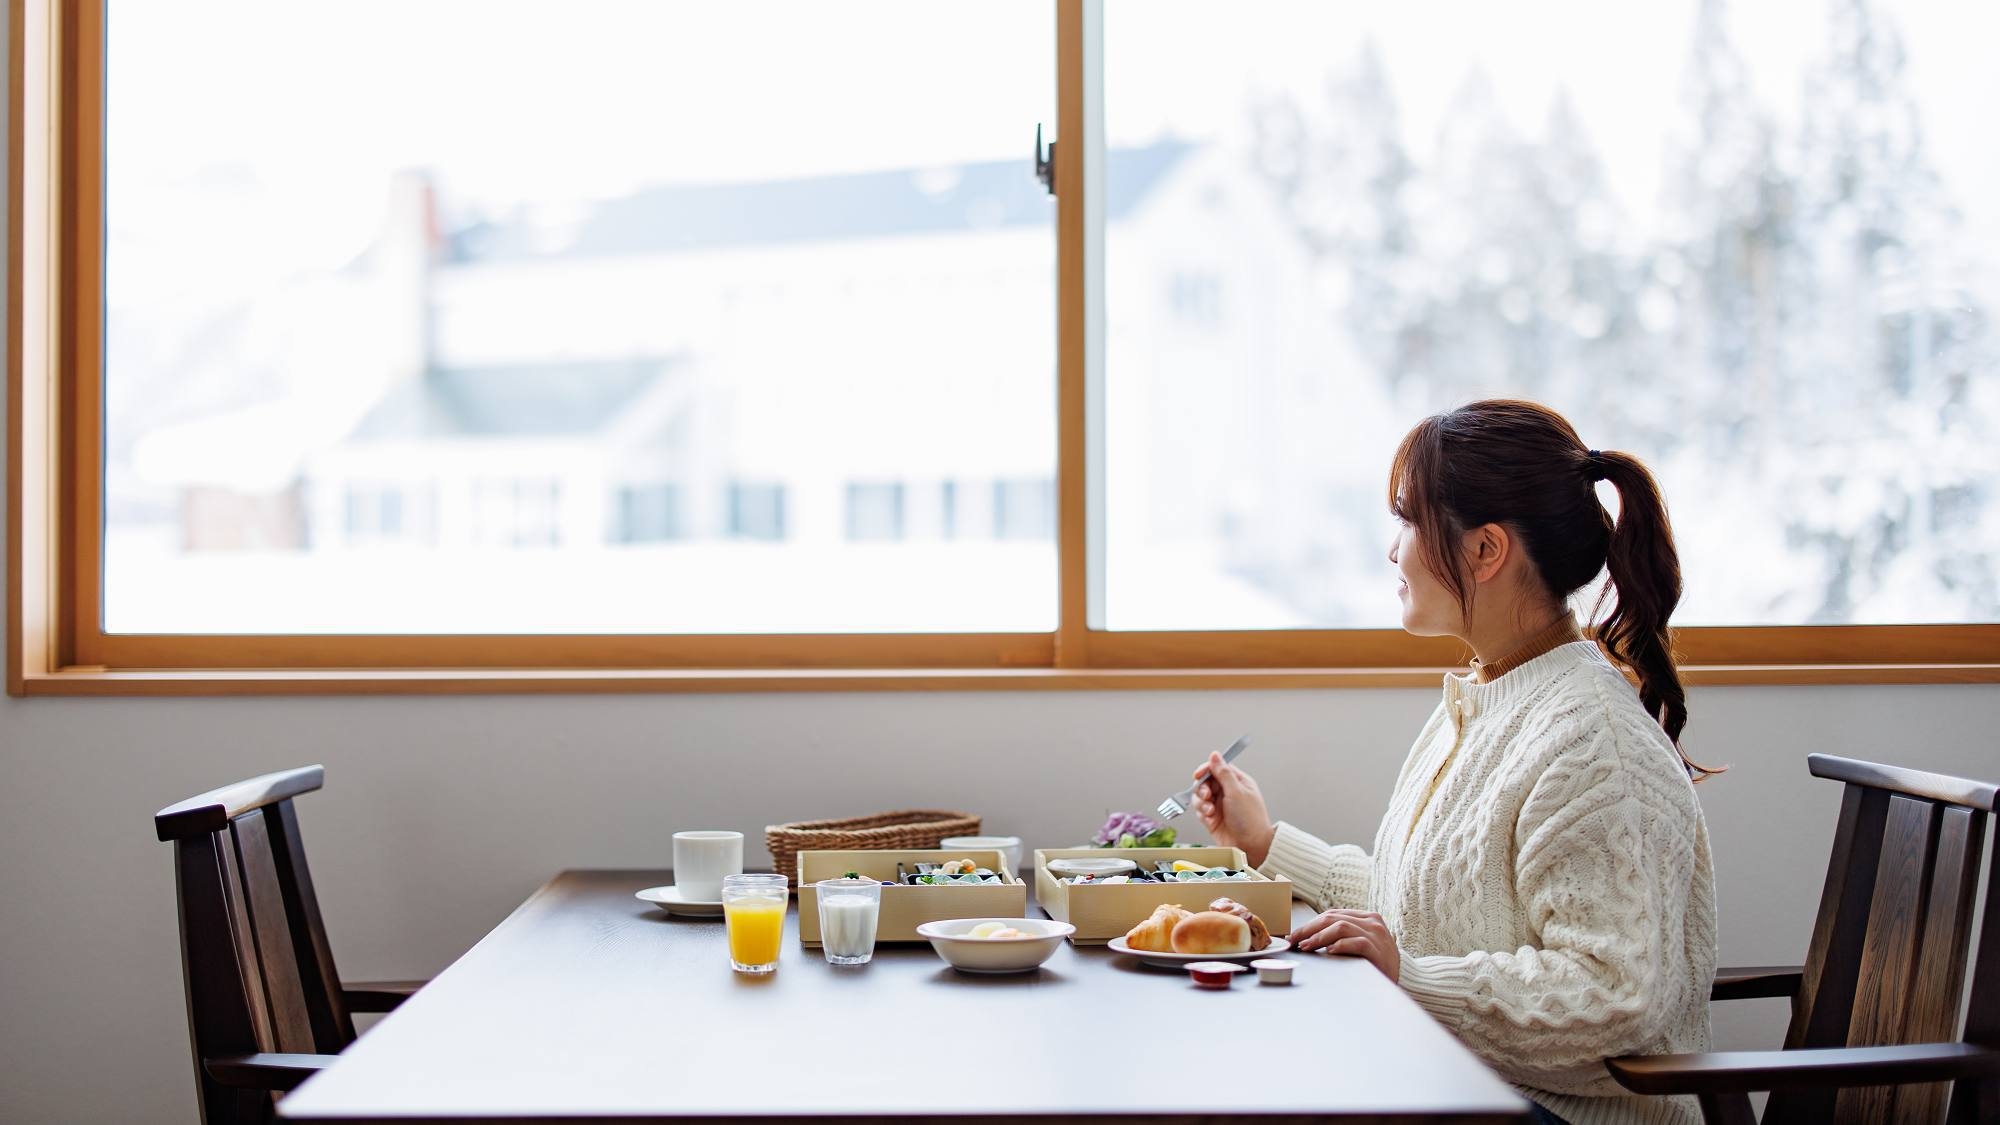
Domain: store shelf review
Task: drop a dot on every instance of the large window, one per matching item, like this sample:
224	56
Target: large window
632	290
644	336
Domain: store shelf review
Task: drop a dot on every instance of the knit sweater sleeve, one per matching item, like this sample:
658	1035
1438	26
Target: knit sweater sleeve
1327	876
1606	844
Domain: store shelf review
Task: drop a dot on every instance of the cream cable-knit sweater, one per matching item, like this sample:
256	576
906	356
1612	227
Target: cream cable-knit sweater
1553	899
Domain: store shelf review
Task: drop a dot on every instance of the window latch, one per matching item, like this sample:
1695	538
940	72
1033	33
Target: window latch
1045	161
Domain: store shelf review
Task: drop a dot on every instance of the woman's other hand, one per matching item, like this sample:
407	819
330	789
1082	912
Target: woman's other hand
1232	809
1351	933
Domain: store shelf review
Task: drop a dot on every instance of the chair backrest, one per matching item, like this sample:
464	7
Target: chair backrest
259	973
1889	956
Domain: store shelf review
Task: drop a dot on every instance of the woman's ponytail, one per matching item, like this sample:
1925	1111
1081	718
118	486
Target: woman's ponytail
1645	587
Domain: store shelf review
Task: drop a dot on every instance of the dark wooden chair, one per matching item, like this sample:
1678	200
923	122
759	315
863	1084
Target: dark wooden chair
1875	1008
266	1009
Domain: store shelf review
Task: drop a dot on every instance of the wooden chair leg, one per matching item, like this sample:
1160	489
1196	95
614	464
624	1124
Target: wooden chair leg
1731	1108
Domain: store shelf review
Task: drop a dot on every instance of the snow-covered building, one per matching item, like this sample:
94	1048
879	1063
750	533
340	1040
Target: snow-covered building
857	358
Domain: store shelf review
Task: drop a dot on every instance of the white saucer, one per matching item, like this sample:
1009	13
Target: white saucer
669	899
1182	960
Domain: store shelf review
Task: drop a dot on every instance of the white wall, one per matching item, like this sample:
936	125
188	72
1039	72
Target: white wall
440	814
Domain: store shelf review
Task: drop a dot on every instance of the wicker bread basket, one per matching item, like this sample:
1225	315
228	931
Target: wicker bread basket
912	828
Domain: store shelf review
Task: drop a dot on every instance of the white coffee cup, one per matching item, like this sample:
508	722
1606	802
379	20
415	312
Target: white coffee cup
701	859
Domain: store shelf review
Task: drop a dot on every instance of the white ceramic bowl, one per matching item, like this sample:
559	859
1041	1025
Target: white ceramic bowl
995	955
1009	846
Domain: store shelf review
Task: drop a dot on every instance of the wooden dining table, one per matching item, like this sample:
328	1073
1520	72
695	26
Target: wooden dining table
587	1004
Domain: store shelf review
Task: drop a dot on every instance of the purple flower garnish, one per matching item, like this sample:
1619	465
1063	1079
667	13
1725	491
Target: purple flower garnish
1121	824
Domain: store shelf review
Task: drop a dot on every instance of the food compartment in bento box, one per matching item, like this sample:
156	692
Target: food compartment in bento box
1102	911
904	907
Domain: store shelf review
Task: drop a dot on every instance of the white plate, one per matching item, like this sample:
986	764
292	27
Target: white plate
669	899
1182	960
1097	865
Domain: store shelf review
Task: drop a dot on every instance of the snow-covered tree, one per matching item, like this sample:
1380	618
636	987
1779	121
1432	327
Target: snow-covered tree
1525	283
1881	388
1798	342
1727	229
1339	169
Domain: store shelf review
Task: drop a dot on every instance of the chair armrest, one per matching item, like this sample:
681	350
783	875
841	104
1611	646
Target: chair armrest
379	995
266	1071
1804	1069
1748	981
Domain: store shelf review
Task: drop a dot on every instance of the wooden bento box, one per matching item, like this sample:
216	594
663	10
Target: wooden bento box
905	908
1101	912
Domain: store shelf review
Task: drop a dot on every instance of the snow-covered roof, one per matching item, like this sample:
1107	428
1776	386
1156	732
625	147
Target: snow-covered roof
864	205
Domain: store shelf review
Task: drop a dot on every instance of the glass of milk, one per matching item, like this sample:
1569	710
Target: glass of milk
848	909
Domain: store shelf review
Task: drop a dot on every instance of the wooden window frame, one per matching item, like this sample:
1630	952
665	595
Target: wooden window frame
56	644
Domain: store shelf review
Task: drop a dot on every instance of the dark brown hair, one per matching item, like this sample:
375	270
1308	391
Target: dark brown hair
1521	465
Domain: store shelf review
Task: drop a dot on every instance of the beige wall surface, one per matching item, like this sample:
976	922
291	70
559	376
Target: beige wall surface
441	814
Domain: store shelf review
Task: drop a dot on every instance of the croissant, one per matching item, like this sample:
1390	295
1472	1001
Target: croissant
1212	932
1156	934
1260	935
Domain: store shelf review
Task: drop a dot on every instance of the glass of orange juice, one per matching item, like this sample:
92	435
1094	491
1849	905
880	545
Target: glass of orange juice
753	907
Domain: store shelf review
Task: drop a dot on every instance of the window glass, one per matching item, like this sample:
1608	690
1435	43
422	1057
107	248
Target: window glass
1024	509
757	511
648	513
1755	243
875	511
489	315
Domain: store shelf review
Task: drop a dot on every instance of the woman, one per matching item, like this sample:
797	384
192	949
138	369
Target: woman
1541	882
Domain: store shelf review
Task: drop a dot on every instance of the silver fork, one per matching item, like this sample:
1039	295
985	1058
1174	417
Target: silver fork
1177	804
